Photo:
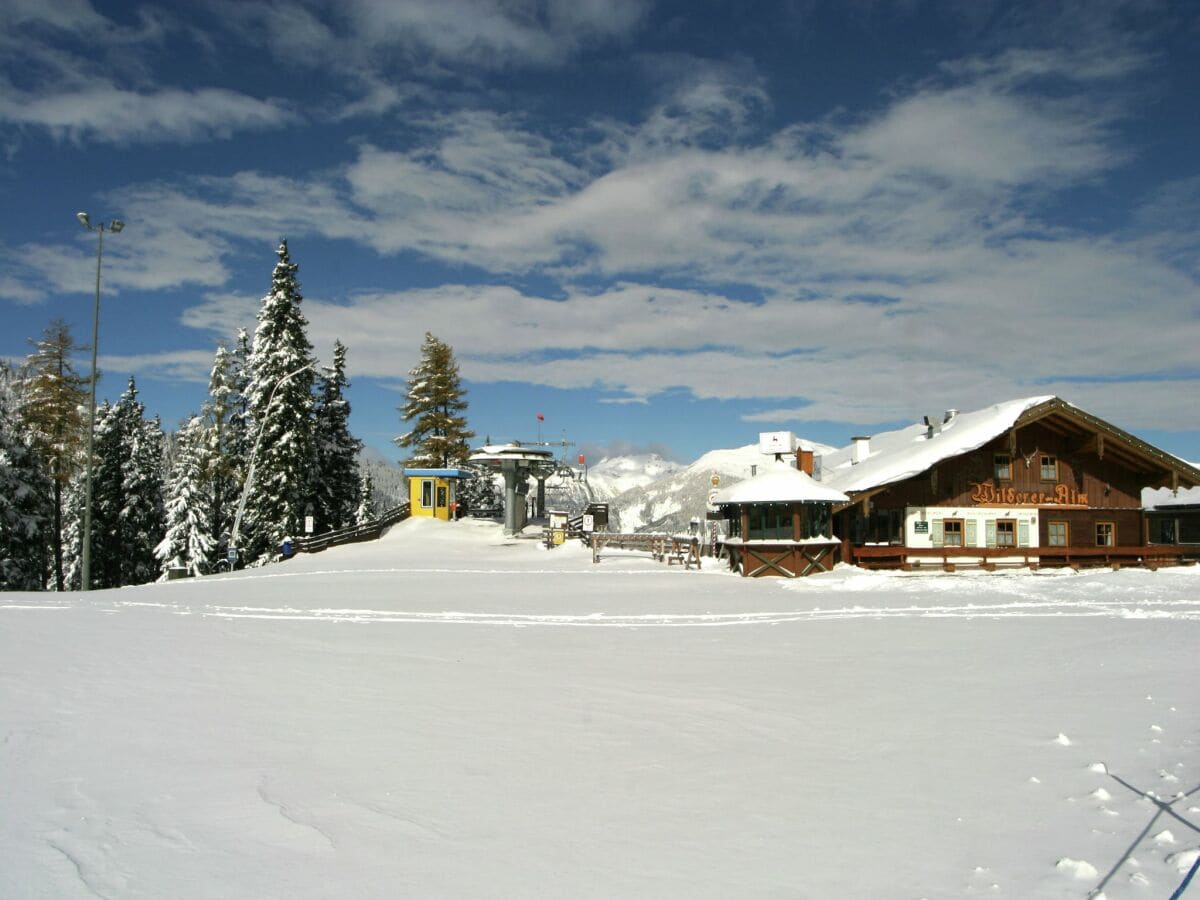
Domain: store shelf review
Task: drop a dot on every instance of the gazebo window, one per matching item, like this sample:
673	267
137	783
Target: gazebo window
815	520
770	521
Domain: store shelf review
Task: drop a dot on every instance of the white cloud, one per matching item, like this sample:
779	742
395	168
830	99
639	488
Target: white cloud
108	114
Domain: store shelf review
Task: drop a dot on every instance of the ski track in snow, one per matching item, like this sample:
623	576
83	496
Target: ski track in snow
1019	595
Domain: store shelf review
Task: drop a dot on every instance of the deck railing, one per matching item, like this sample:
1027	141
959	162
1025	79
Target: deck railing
896	557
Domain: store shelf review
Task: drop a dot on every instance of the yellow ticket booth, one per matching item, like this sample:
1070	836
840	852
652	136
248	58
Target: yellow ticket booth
432	492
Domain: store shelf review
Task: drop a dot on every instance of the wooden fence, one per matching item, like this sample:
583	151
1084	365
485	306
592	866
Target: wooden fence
666	548
368	531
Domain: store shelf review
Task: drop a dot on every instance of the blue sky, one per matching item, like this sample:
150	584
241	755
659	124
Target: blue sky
662	225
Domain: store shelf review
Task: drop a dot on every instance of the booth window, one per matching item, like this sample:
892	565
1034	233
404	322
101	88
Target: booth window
427	494
1106	534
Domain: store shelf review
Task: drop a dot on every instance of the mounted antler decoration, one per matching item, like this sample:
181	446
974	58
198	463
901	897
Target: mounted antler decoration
1029	458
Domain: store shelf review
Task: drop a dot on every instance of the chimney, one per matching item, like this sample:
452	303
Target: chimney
804	461
949	417
932	426
862	449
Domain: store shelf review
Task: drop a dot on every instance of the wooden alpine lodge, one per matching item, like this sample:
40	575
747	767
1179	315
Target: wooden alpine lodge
1034	482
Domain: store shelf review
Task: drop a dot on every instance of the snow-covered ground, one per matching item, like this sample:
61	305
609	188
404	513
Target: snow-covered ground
449	713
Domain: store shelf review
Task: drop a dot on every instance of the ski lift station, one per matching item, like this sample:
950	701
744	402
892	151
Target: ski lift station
433	492
518	463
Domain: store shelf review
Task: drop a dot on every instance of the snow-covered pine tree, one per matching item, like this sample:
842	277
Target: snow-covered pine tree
239	401
52	399
25	497
335	486
280	403
107	500
434	405
128	517
144	512
366	511
478	492
221	447
189	540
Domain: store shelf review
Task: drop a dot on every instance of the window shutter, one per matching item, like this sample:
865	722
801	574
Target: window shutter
1022	534
972	536
935	533
991	533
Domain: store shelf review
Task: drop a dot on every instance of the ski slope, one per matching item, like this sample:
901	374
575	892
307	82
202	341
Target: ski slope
447	712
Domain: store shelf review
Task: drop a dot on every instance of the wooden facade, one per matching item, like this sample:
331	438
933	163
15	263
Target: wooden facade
1057	480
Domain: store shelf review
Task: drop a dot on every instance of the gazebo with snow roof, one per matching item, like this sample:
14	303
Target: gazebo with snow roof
781	521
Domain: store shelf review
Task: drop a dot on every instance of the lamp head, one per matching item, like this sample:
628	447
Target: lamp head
84	219
116	226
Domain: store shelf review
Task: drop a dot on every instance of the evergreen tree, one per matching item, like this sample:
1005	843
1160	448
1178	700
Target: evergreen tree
54	397
335	485
189	539
434	406
221	448
279	397
478	492
128	517
25	498
107	478
239	402
366	511
144	515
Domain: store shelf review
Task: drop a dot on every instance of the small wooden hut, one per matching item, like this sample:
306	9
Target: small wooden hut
780	522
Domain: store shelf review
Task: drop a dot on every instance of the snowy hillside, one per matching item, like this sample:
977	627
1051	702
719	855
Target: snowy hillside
670	502
387	477
617	474
450	713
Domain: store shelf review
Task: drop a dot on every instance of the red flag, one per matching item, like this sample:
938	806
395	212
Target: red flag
541	418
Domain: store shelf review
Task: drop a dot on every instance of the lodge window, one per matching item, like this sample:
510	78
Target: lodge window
1106	534
1049	468
952	532
426	494
1002	467
1006	532
1058	534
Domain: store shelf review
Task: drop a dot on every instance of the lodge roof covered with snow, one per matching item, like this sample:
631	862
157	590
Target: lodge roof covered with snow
895	456
779	484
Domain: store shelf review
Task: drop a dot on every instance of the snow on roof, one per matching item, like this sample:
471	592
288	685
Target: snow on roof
1164	498
897	455
779	484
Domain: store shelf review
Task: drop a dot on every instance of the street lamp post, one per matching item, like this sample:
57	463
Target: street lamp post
114	227
241	507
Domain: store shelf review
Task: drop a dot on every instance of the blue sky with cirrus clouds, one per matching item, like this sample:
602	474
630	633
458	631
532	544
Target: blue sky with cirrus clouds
665	225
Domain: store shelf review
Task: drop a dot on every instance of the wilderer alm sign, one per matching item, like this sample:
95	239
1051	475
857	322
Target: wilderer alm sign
986	494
